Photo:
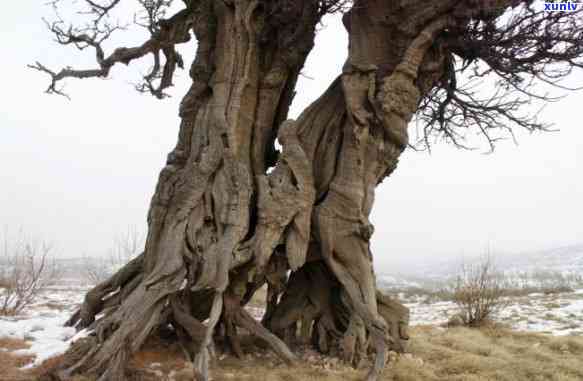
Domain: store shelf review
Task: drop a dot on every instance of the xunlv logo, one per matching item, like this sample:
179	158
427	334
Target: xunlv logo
564	6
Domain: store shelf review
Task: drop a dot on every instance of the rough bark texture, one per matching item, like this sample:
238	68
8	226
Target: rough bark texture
215	208
221	225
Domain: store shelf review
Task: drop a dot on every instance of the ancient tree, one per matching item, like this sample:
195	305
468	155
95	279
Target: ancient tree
231	213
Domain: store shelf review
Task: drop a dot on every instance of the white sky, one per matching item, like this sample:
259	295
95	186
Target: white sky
79	172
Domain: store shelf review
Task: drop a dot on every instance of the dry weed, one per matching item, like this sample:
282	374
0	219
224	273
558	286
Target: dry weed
457	354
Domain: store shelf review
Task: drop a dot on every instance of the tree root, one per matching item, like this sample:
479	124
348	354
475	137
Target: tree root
236	315
107	294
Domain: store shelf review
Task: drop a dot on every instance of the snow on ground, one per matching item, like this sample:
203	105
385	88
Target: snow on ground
41	324
425	313
557	314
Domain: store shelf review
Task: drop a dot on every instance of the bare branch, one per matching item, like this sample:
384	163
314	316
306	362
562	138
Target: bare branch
479	291
26	269
516	53
164	35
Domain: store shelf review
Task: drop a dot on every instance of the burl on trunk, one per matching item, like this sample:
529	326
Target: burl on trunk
231	214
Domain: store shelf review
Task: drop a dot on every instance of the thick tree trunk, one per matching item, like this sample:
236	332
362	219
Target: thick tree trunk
219	226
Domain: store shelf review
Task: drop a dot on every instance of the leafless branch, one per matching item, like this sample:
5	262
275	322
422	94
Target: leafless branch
165	34
26	269
515	54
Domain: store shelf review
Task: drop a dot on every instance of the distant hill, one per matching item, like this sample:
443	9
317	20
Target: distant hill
564	260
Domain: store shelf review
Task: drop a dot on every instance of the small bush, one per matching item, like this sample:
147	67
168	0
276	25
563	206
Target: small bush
26	269
479	291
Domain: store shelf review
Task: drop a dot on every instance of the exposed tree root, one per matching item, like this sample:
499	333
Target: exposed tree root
243	319
108	294
122	332
220	226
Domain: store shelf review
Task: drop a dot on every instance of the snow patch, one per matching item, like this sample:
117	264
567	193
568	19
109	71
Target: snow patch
42	324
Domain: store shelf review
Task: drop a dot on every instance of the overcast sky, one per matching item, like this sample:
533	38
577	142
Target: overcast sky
79	172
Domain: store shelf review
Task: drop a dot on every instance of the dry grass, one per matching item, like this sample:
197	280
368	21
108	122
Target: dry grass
485	354
12	344
160	359
269	369
9	362
489	354
37	373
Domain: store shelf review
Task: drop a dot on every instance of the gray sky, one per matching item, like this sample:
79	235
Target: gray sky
79	172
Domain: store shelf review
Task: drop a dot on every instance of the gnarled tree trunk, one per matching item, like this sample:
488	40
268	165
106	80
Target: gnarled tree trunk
220	226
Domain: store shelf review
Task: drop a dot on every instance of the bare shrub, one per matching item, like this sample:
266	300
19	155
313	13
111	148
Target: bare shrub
125	247
479	291
26	269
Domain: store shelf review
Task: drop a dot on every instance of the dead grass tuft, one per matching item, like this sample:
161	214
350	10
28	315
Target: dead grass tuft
459	354
493	353
567	344
46	367
10	344
157	357
11	363
456	354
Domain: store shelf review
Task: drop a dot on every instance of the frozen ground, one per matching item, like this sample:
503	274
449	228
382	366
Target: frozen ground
556	314
41	325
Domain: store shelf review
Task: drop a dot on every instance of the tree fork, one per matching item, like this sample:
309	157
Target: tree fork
200	212
217	218
208	197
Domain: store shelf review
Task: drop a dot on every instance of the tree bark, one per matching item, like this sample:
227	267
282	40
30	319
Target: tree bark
219	225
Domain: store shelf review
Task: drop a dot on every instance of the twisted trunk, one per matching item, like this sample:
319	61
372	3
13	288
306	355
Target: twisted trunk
219	226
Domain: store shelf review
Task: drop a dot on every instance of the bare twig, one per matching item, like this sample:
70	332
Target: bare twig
515	52
26	269
165	34
479	291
